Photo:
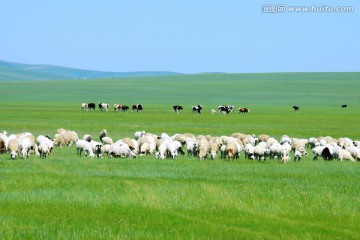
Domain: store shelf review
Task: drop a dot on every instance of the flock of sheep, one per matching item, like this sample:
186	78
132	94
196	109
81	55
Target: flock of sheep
163	146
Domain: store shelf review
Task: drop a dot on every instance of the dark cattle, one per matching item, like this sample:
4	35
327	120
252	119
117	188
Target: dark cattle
137	107
326	154
224	109
103	106
125	108
344	106
296	108
177	108
91	106
197	109
244	110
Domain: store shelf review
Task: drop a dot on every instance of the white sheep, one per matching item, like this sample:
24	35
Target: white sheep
174	148
192	147
43	150
105	149
354	151
84	146
214	148
204	148
249	151
96	148
47	141
260	152
87	137
27	144
285	139
161	154
345	142
65	138
139	134
317	151
13	147
297	156
145	149
120	149
344	154
107	140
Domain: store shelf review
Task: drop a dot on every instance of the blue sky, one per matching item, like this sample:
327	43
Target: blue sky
189	36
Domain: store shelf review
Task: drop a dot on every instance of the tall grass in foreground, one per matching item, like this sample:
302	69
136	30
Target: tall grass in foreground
68	197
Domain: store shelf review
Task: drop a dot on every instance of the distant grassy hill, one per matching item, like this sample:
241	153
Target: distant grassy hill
26	72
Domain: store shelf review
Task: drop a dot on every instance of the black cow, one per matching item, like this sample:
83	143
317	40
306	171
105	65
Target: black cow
91	106
197	109
224	109
177	108
296	108
244	110
137	107
124	108
344	106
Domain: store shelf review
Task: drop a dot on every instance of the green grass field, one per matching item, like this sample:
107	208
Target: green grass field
67	197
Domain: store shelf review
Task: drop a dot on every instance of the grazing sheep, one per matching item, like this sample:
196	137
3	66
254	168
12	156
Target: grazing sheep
344	154
96	148
214	148
192	147
47	141
312	142
354	151
107	140
105	149
84	146
175	148
162	150
102	134
317	151
284	139
27	144
65	138
263	138
120	149
285	157
139	134
327	154
43	150
260	152
249	151
14	147
345	143
145	149
204	148
297	156
232	149
133	144
87	137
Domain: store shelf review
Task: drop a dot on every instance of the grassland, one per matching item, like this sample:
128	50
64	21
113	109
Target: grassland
65	197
